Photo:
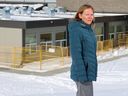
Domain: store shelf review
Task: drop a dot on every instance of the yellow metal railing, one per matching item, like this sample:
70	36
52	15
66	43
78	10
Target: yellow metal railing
23	56
122	40
6	54
103	46
50	52
18	57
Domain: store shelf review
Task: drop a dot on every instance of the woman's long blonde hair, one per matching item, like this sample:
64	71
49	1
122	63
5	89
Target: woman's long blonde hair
81	10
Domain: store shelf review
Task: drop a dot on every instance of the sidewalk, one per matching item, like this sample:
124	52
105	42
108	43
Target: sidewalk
48	68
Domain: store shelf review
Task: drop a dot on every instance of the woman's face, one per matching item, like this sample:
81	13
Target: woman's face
87	16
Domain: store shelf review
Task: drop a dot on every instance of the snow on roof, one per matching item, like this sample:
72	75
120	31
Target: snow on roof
107	14
41	15
28	18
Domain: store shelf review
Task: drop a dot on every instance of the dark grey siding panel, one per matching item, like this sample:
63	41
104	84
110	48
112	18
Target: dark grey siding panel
12	24
46	23
33	24
111	18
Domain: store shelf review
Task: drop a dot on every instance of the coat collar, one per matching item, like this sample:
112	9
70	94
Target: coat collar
83	24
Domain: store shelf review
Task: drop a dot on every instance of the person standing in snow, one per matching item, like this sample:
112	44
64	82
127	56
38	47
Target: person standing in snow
83	50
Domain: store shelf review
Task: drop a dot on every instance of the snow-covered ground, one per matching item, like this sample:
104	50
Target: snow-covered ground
112	81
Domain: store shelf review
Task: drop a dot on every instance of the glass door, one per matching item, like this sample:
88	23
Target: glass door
61	39
99	29
46	40
31	43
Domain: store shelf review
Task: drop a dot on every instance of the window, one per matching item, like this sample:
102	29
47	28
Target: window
61	39
126	28
119	28
30	38
45	37
99	33
99	30
111	29
61	35
31	43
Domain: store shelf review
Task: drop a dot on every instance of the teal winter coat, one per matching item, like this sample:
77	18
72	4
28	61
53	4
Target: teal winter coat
83	51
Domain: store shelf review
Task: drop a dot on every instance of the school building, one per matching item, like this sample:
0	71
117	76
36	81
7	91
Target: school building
38	28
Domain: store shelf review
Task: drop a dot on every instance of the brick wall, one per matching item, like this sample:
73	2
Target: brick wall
119	6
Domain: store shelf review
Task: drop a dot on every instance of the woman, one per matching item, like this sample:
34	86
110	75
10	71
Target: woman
83	50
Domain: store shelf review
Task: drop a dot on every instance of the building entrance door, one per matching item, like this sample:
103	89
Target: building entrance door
31	42
46	39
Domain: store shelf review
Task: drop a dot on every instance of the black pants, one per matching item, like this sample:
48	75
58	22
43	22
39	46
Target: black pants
84	89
